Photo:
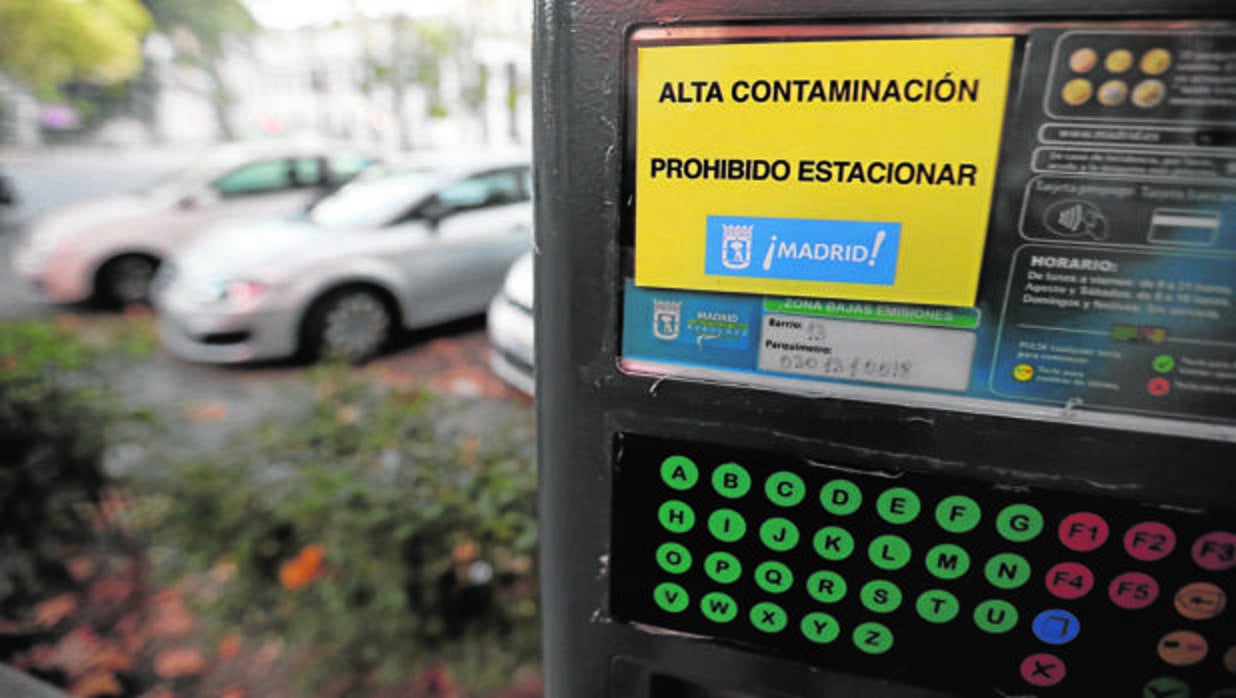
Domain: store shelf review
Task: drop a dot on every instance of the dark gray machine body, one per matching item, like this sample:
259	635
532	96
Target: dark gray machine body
606	431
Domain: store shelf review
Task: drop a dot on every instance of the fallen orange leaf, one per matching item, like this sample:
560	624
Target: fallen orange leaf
49	613
464	552
76	652
81	567
229	647
176	663
112	660
304	568
206	411
98	683
171	619
110	591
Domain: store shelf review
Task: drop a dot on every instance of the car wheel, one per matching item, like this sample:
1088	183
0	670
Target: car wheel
126	280
352	324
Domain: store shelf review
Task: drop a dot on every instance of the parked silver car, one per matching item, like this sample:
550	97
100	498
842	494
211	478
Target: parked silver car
510	326
109	248
411	245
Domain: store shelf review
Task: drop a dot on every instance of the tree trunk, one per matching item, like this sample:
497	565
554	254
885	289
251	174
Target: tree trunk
219	100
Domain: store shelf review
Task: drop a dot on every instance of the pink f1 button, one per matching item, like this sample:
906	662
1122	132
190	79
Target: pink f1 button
1149	541
1070	580
1215	551
1083	531
1042	669
1133	590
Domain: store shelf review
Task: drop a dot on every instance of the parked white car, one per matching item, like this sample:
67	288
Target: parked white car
109	248
403	245
511	328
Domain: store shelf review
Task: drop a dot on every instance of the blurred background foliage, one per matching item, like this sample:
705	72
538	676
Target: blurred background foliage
381	534
47	43
53	417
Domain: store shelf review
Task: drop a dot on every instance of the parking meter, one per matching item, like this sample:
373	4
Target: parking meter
887	348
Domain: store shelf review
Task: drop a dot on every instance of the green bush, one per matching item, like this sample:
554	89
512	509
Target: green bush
53	420
380	536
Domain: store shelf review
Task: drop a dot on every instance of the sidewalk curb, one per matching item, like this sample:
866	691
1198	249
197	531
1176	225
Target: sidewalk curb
14	683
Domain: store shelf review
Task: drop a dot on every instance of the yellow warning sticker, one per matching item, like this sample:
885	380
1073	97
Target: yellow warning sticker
842	169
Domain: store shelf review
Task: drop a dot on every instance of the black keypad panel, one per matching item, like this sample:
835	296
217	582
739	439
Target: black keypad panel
932	580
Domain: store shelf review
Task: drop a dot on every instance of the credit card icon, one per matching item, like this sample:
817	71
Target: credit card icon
1171	226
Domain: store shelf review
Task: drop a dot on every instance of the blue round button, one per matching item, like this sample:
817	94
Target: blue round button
1056	626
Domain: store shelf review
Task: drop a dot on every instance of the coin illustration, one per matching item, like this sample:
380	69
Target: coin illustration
1118	61
1149	93
1156	61
1076	92
1083	60
1113	93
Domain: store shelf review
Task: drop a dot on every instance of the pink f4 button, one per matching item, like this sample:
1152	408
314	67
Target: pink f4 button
1070	580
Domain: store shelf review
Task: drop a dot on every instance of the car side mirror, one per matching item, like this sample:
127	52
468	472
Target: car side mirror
433	213
197	199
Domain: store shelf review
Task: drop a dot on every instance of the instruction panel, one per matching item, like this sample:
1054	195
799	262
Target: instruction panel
1092	267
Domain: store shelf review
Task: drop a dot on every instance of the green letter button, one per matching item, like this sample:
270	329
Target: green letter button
1007	570
779	534
841	497
785	489
674	558
889	552
937	606
718	607
898	505
731	480
773	577
723	567
995	616
671	597
1171	687
947	561
676	516
1019	523
958	514
820	628
727	525
833	543
873	638
880	596
826	587
679	472
768	617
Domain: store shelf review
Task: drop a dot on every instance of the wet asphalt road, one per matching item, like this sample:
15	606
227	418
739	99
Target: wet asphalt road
216	400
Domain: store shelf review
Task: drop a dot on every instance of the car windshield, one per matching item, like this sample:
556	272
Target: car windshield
376	197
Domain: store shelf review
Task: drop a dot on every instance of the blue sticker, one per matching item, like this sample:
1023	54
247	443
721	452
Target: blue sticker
702	328
855	252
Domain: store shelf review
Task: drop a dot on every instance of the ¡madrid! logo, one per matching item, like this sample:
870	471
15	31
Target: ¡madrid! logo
736	246
666	319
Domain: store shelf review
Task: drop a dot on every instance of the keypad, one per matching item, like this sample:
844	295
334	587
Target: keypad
930	579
